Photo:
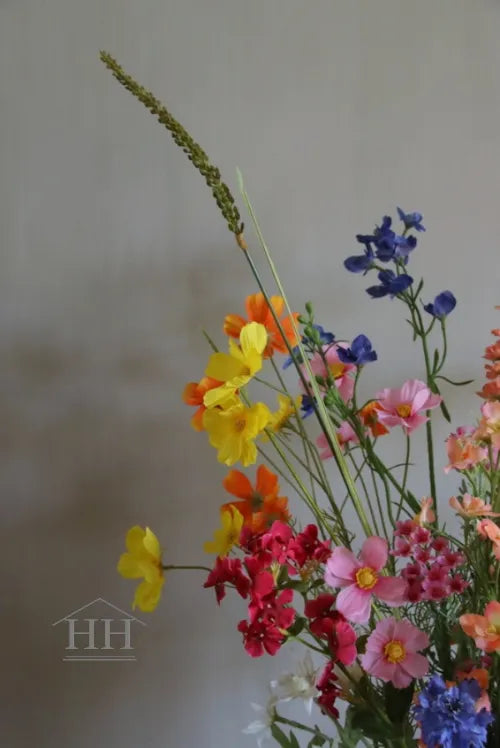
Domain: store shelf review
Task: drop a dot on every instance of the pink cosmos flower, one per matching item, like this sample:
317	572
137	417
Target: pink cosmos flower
360	579
463	452
392	652
345	434
340	372
404	406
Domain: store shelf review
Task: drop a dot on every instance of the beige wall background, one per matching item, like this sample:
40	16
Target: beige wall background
113	257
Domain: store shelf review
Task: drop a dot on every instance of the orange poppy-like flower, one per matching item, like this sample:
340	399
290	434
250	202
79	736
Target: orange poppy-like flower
258	310
369	416
260	506
193	394
472	506
485	630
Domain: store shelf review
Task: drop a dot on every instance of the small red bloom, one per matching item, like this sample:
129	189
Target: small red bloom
277	540
260	636
227	570
306	547
329	691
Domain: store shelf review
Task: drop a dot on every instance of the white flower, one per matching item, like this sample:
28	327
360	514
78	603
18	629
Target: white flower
261	727
298	685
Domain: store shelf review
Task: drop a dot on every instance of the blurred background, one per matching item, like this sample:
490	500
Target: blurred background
113	258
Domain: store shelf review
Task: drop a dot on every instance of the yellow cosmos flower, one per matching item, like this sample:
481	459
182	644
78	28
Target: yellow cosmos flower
237	367
228	535
279	418
143	559
232	431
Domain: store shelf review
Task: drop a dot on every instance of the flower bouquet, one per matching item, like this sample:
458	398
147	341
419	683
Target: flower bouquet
399	617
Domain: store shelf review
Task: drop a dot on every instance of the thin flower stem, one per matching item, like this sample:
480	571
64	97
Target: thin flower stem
320	408
299	726
378	500
359	476
405	474
169	567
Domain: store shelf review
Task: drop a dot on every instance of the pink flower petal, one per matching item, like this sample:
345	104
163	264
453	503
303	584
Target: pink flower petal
370	660
341	567
354	604
374	553
400	678
391	590
416	665
414	422
412	637
411	389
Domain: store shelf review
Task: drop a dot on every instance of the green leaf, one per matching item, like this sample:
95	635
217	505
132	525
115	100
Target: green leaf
316	740
435	361
294	743
445	411
412	502
455	384
280	736
297	626
365	721
398	702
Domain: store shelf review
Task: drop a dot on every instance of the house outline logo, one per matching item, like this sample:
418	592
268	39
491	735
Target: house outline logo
91	628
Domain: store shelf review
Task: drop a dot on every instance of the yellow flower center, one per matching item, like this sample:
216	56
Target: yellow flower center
337	369
404	410
366	578
239	425
394	651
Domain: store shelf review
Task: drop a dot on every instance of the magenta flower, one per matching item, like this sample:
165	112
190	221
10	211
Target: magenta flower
404	406
361	580
392	652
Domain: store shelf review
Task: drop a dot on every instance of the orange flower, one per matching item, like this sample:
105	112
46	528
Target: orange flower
485	630
258	310
492	352
491	390
260	506
479	673
194	393
492	370
488	529
472	506
369	416
426	513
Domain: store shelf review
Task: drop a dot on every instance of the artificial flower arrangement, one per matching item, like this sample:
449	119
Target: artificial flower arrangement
401	626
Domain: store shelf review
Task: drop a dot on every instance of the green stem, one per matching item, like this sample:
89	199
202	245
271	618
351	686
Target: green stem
169	567
320	408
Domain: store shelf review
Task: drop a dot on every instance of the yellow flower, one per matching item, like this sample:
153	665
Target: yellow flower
143	559
232	431
279	419
237	367
228	535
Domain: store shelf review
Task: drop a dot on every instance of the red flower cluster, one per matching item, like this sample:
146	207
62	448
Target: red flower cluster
269	611
428	575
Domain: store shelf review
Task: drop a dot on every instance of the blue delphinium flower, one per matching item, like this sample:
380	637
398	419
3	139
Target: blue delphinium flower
411	220
360	263
390	284
448	717
325	338
307	405
359	353
443	304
